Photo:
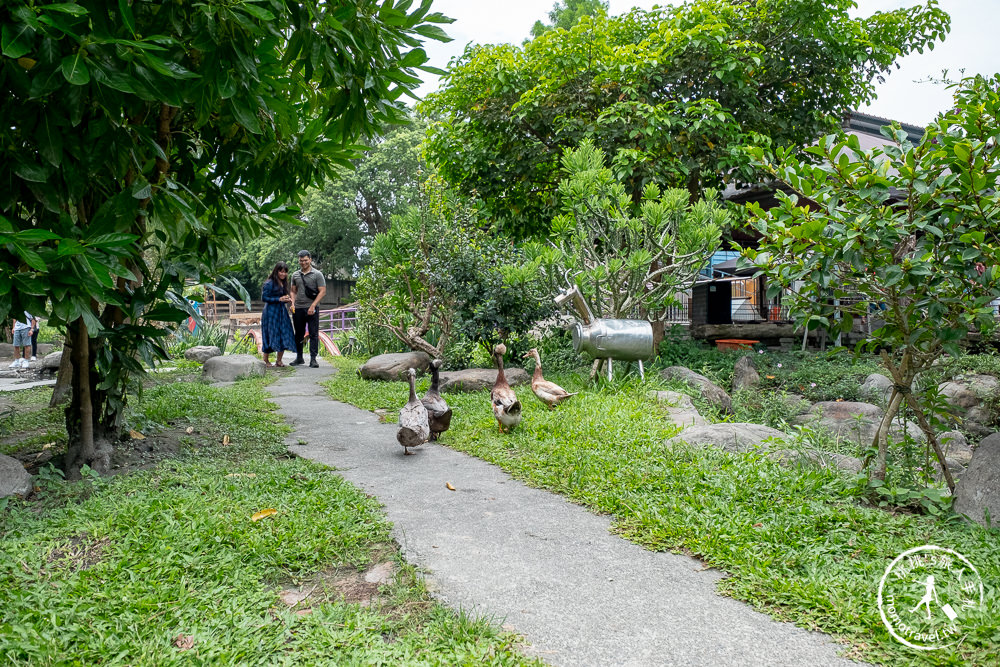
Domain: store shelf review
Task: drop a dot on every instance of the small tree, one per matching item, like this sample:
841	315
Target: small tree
928	263
437	274
628	260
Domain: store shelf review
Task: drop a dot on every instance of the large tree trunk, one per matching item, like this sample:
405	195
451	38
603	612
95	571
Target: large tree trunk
84	447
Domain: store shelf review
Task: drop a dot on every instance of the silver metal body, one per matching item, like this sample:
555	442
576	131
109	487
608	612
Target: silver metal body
624	340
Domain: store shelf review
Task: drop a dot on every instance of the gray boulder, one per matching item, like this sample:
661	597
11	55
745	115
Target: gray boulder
710	391
745	376
393	367
856	422
979	489
14	479
6	351
968	391
51	361
44	348
956	447
232	367
202	353
474	379
679	408
732	437
878	387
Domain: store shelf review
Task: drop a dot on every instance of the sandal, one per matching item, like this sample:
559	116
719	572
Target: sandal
280	365
268	364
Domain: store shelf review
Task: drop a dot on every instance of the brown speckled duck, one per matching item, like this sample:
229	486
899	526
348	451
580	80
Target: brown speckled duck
438	412
547	392
414	429
506	407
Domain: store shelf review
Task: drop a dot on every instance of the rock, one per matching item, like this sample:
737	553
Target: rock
979	489
956	447
710	391
816	458
6	351
968	391
44	348
745	376
393	367
202	353
232	367
679	408
474	379
878	387
732	437
14	479
852	421
51	361
956	469
977	421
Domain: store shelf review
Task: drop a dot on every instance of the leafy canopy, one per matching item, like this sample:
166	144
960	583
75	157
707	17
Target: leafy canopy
140	139
673	93
564	15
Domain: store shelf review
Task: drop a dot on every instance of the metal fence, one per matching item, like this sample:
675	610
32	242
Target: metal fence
340	319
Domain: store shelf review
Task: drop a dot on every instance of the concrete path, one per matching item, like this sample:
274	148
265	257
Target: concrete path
534	562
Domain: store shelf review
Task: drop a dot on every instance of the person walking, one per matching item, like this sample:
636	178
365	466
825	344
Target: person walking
275	327
22	340
308	288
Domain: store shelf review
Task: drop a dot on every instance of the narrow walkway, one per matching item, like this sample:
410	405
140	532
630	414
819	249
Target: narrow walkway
540	565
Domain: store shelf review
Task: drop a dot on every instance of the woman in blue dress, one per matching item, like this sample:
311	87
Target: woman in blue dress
275	325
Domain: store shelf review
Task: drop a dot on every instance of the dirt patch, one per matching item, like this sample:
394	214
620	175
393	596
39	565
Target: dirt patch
81	553
139	453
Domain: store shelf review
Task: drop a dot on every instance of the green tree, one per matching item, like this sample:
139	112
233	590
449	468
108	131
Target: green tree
141	138
673	94
566	14
437	275
341	217
929	264
628	260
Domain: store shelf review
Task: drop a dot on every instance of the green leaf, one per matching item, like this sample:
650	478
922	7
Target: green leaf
15	39
36	235
75	69
125	11
34	173
142	190
68	8
257	12
433	32
245	116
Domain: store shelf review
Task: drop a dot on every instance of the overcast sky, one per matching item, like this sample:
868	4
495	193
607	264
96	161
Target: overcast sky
973	44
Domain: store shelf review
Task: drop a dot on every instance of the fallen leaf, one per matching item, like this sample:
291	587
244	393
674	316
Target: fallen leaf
26	63
48	445
263	514
758	525
242	474
135	435
184	642
189	430
225	440
450	487
303	612
769	377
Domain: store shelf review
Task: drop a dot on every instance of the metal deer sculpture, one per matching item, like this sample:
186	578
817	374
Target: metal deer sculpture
607	339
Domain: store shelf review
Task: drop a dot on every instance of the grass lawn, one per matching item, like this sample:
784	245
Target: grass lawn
801	545
166	565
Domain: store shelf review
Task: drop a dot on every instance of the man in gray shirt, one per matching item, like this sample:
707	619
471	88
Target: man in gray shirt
307	289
